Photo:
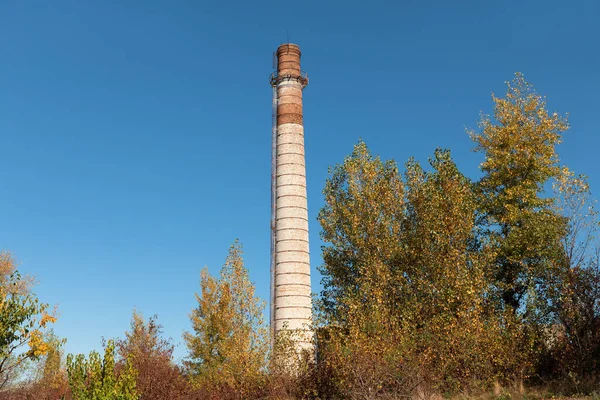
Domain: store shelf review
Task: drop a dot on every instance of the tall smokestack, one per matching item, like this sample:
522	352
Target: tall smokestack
290	268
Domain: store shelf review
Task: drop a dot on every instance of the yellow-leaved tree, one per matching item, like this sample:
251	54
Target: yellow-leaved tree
51	372
229	342
458	337
404	284
515	214
362	223
23	320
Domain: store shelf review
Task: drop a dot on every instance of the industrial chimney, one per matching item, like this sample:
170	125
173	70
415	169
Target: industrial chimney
290	263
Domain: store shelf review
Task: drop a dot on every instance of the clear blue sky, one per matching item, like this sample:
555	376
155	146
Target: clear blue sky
135	135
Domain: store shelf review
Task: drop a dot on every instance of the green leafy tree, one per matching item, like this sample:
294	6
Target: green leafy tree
97	378
229	342
23	320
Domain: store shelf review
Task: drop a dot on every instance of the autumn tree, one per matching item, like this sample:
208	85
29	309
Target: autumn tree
520	159
362	223
404	285
23	320
462	340
50	381
46	377
152	357
97	378
572	287
228	345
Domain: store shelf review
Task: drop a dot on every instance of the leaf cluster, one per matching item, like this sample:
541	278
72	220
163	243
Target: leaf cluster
23	319
229	343
97	378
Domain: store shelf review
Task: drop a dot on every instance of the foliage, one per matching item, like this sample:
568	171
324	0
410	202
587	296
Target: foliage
432	280
405	288
458	335
45	378
229	343
573	286
432	285
23	320
97	378
292	368
51	373
361	219
520	158
152	357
